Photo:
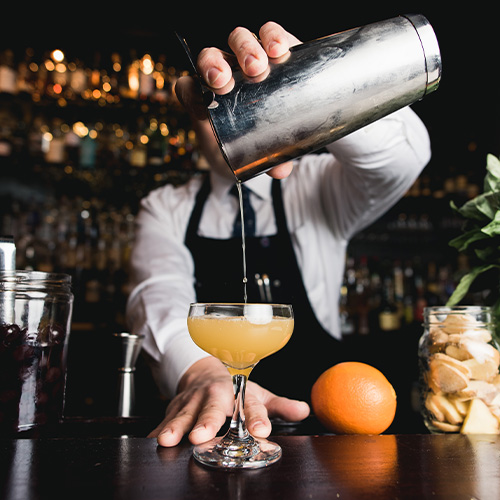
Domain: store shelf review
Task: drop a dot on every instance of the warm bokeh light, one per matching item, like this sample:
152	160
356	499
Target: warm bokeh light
49	65
147	65
164	129
57	55
133	78
80	129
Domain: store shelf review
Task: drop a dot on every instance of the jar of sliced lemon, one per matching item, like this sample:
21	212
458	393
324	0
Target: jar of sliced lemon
459	371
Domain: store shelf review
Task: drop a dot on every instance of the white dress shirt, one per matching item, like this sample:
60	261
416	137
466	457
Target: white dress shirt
327	199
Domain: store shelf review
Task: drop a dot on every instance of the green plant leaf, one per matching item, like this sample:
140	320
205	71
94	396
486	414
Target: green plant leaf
483	206
495	311
454	207
493	228
466	282
462	242
483	210
492	178
485	253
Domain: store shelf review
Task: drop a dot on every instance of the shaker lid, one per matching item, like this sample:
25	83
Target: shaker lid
430	47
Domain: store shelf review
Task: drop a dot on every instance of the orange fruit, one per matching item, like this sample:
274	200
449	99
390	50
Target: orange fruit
354	398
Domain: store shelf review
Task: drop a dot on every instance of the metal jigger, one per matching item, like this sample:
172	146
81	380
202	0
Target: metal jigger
128	349
7	264
7	253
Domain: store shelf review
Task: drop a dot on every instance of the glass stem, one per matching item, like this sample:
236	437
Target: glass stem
238	429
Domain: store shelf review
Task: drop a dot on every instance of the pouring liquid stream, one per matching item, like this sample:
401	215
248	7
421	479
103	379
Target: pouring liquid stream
243	246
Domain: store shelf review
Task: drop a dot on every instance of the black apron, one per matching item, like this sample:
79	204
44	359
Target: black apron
218	265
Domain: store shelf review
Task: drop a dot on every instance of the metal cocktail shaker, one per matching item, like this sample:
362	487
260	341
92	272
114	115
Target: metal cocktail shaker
324	90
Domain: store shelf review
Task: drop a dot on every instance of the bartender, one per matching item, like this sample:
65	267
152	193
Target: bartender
302	216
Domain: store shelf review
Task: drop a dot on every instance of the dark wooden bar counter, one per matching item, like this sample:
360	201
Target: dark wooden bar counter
317	467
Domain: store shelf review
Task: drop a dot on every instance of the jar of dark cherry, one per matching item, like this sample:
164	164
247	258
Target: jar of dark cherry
35	318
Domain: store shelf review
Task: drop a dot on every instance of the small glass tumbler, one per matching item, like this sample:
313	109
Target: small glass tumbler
35	318
459	371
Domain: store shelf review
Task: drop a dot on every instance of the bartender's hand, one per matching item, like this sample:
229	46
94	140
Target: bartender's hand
252	55
206	398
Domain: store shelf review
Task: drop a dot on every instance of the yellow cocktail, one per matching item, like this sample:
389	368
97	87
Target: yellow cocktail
240	335
237	341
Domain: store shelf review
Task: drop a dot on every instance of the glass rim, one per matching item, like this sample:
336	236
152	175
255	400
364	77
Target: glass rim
241	309
457	308
236	304
483	315
33	282
25	275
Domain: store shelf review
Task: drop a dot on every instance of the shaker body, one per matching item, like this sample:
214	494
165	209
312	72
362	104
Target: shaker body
324	90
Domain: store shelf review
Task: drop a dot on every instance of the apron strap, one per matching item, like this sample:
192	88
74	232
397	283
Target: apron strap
194	220
279	211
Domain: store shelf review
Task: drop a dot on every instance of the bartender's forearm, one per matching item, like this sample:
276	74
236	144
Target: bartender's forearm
398	137
378	164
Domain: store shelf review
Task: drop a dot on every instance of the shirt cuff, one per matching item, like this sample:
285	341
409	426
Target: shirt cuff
179	355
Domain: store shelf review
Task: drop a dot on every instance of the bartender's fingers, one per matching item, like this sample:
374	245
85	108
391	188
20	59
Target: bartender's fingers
260	404
202	410
251	56
179	419
290	410
275	40
217	405
214	67
281	171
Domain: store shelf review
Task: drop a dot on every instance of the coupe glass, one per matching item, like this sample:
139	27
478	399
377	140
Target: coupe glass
240	335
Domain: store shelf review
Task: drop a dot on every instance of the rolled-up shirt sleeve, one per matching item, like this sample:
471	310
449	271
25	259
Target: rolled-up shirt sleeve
379	163
331	197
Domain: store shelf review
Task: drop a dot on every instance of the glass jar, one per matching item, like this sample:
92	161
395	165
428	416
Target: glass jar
459	371
35	318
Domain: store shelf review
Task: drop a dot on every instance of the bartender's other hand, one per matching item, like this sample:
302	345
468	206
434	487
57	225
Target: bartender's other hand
206	399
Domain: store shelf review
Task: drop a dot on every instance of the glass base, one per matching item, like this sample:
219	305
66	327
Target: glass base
250	454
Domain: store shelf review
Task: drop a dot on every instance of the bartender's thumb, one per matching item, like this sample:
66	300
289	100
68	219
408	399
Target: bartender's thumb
261	405
290	410
188	91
